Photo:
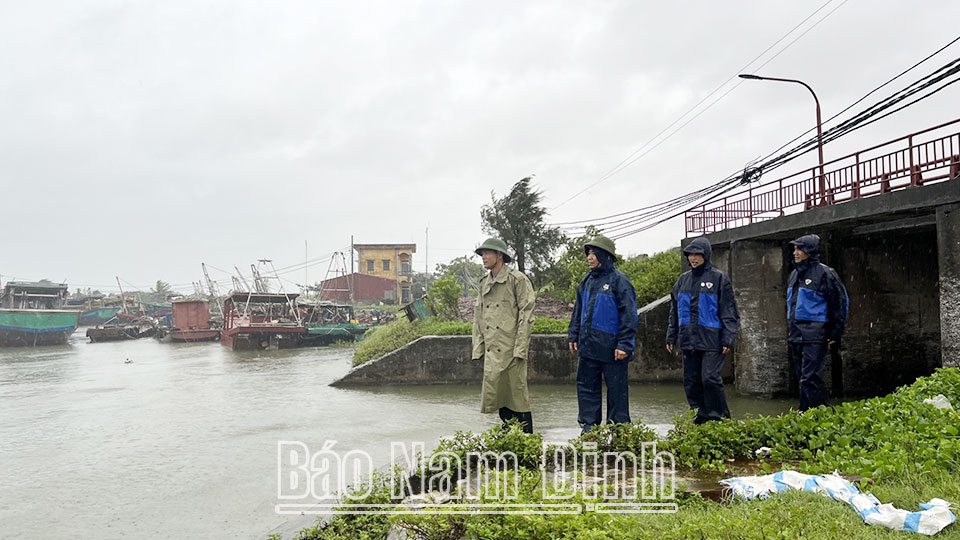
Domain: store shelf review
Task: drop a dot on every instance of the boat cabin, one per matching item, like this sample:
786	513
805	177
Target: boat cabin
33	295
254	320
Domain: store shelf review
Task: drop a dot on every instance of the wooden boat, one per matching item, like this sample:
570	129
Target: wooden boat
258	320
31	314
191	322
329	322
98	315
121	328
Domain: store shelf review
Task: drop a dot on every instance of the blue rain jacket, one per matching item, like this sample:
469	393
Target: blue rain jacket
605	315
817	301
703	308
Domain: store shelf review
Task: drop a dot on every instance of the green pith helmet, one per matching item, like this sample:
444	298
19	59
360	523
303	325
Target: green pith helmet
602	242
495	244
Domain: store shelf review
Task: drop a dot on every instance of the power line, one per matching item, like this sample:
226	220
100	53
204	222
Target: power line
871	114
630	159
861	124
868	94
859	120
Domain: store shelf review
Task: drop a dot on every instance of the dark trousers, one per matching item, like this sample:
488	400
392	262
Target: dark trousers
590	377
704	385
808	363
525	418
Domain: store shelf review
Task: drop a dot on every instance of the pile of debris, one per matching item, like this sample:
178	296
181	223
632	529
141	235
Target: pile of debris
550	308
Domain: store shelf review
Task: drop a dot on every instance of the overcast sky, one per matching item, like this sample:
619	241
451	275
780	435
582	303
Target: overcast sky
141	138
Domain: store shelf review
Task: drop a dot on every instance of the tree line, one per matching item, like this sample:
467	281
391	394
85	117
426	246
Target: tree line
554	262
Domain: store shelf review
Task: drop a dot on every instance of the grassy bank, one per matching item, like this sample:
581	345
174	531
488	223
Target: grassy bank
380	340
906	450
787	515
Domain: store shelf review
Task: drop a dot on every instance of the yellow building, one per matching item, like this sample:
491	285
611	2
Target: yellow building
393	261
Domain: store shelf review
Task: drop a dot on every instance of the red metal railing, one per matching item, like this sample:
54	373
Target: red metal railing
926	156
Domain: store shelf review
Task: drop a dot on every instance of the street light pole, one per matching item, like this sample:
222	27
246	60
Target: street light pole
823	180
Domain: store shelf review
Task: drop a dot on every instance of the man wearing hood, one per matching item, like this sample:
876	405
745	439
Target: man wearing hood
502	324
817	306
704	321
602	331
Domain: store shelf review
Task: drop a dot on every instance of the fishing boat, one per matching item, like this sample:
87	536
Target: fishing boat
191	322
260	320
31	313
98	315
329	322
123	328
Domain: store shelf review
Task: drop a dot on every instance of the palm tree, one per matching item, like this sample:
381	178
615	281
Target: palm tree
162	289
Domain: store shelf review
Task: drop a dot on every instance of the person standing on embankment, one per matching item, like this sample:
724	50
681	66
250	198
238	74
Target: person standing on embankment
817	306
502	324
602	332
704	321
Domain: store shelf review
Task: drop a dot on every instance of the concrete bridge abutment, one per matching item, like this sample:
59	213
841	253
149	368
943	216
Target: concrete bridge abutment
898	254
761	365
948	253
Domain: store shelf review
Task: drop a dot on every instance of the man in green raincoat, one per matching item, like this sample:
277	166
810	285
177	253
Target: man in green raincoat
502	323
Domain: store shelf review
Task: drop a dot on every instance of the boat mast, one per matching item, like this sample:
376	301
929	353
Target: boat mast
290	301
123	298
258	283
214	297
242	279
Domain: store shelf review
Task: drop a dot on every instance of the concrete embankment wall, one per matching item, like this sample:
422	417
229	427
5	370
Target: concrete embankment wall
446	359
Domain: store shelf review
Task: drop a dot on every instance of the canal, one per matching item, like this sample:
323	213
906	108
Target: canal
142	439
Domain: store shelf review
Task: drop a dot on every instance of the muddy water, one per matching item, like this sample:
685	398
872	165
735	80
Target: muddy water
181	442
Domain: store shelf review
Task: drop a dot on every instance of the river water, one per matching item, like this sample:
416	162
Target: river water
181	442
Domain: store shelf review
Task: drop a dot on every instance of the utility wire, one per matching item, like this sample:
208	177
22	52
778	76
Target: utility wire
630	159
868	94
870	115
859	120
858	126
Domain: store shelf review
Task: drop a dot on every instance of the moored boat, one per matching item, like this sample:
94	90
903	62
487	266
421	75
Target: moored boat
119	329
98	315
329	322
31	314
191	322
256	321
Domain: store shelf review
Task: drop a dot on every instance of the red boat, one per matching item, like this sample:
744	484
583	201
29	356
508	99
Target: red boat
257	321
191	322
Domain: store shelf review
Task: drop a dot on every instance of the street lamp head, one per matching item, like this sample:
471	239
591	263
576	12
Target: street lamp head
750	76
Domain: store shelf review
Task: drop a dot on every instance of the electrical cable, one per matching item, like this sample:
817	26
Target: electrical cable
865	96
626	162
866	117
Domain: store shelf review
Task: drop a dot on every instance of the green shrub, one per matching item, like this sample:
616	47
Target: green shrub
652	277
880	437
528	447
438	327
543	325
881	427
355	526
381	340
443	297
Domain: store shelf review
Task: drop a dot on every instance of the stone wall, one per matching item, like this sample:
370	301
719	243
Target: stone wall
654	363
446	359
